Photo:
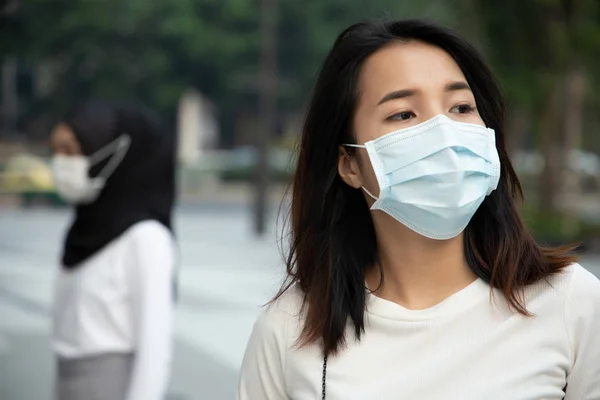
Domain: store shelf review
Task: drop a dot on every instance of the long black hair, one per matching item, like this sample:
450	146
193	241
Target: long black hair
332	234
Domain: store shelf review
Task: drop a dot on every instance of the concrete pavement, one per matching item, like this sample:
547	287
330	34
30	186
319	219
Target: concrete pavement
226	274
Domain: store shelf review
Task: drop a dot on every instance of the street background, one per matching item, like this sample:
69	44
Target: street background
225	276
232	78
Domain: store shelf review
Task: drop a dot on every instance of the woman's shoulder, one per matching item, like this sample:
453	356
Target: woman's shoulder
148	229
283	317
575	280
581	315
583	291
287	306
582	280
148	235
264	369
149	243
574	289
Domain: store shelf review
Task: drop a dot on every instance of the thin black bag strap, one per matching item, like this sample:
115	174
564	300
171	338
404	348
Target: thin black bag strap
324	377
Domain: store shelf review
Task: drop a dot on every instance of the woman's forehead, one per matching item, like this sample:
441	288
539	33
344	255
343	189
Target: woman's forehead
63	133
411	65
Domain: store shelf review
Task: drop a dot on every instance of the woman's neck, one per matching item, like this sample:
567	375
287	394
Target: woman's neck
418	272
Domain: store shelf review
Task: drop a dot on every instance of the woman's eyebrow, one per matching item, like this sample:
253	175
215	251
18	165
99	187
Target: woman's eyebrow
403	93
458	85
397	94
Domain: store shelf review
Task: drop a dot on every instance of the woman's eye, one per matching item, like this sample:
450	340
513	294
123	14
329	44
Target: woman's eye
402	116
463	109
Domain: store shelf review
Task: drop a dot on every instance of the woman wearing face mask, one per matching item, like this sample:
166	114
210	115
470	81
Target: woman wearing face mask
411	274
114	295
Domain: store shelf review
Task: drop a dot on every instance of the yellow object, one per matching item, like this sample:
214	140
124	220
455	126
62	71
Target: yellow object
26	172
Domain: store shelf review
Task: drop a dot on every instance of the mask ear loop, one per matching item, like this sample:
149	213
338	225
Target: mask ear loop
369	193
118	148
377	259
362	146
380	265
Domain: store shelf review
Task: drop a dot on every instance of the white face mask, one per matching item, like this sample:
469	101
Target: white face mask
71	173
434	176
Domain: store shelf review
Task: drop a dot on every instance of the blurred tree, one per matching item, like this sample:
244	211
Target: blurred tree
544	51
149	51
152	50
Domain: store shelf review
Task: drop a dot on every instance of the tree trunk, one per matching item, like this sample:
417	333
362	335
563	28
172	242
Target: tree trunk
572	134
573	105
519	126
550	141
267	108
10	97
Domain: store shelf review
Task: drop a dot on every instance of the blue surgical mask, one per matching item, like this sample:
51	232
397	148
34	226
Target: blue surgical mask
434	176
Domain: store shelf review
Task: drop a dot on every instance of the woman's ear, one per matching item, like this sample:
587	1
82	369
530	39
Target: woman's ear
348	169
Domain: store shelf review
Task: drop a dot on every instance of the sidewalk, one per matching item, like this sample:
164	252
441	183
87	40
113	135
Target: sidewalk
225	277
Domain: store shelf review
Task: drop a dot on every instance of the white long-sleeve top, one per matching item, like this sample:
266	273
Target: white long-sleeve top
121	301
468	347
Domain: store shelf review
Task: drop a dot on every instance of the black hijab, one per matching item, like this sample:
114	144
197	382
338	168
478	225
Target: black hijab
141	188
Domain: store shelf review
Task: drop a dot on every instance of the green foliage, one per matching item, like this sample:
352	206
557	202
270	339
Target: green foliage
544	226
153	50
531	42
548	227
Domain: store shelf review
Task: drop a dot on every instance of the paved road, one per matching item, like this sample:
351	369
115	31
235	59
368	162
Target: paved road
225	276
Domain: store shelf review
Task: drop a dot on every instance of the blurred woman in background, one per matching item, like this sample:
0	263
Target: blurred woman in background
412	275
114	294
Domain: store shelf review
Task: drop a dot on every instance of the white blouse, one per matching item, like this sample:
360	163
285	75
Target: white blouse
468	347
120	300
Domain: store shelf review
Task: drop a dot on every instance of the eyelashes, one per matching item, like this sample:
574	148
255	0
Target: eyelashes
464	108
401	116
